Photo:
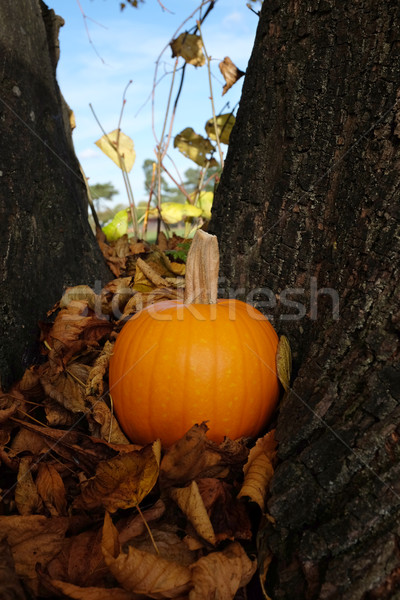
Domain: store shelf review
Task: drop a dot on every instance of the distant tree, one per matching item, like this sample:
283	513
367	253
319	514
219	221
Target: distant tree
102	191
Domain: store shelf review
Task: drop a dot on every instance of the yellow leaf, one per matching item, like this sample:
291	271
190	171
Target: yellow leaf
119	147
118	226
190	48
142	572
195	147
205	201
225	125
122	481
284	362
191	504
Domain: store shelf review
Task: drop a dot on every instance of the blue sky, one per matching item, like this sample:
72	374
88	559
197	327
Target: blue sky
129	44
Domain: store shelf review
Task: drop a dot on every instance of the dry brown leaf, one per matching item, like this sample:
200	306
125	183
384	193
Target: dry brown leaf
26	496
221	574
195	456
123	481
10	585
258	470
95	379
82	293
150	273
51	490
76	592
30	384
141	572
81	560
57	415
228	516
191	504
10	403
32	539
68	386
141	300
103	423
169	544
76	448
190	47
75	326
230	73
135	526
26	440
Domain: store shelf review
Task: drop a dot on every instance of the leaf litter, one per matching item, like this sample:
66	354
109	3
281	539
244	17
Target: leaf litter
87	514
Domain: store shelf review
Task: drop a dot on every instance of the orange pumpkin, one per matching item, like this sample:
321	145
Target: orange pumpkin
176	364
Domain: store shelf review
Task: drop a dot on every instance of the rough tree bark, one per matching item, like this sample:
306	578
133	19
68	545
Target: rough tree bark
309	199
45	239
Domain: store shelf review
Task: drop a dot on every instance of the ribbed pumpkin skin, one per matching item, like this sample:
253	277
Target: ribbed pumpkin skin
175	365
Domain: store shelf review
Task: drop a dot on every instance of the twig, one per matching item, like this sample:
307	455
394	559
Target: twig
148	530
85	18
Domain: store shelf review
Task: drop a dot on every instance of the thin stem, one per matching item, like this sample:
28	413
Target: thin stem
208	59
153	541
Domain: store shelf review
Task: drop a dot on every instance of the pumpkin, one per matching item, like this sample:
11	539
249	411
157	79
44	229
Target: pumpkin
177	363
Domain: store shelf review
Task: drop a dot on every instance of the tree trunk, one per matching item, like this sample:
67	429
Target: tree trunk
307	215
46	242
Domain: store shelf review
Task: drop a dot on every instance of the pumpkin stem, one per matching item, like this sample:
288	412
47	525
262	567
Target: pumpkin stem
202	266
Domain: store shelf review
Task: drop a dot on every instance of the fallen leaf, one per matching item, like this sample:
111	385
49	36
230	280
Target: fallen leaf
119	147
50	487
191	504
284	362
67	387
57	415
103	424
10	585
86	593
190	48
80	293
135	526
258	470
80	560
228	515
225	125
32	539
221	574
142	572
230	73
26	496
195	147
123	481
195	456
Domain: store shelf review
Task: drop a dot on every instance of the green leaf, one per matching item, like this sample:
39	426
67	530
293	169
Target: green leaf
118	226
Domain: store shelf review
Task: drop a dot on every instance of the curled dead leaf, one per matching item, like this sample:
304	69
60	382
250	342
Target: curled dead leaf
230	73
258	470
191	504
